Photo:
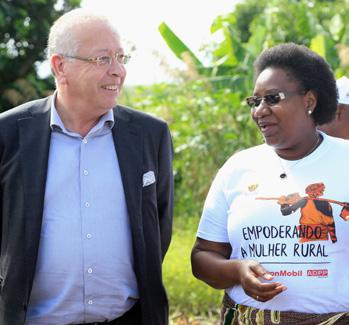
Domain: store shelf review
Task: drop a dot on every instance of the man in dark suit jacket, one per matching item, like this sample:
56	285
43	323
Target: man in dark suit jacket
58	218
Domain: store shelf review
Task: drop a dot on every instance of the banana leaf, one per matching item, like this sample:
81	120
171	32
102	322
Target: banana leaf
178	47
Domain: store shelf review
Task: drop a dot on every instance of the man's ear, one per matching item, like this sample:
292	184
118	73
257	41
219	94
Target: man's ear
58	68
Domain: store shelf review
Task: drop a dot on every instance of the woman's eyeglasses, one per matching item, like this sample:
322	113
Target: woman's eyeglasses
270	99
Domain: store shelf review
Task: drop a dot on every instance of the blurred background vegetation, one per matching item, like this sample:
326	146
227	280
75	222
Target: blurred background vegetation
204	106
24	27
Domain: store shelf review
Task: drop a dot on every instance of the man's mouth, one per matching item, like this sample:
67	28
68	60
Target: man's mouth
111	87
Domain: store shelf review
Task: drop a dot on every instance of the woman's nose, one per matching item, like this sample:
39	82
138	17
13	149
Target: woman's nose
262	109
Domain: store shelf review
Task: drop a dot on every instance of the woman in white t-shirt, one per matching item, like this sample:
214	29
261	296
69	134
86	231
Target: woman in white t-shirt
274	231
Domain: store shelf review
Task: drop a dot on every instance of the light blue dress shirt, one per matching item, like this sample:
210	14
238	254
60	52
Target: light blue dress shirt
85	268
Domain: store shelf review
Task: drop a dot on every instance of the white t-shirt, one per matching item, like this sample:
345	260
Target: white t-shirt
307	249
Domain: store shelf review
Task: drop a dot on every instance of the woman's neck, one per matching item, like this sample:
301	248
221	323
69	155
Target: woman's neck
302	150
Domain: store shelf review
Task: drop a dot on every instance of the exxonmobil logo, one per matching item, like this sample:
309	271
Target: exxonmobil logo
287	273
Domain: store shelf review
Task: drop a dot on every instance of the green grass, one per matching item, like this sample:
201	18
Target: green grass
187	294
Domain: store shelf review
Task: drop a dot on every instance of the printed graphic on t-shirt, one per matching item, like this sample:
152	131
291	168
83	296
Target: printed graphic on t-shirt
316	224
316	221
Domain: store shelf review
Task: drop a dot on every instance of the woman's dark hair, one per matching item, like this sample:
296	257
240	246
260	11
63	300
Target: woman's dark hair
310	70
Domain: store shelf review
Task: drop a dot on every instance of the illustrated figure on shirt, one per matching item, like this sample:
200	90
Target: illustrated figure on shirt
316	220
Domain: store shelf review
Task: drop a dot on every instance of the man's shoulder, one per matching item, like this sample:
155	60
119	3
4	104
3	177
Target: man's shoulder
136	116
24	109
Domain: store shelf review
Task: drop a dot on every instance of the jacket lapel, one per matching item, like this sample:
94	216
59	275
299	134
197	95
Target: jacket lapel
129	148
34	138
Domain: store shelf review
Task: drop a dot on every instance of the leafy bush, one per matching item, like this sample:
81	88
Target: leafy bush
207	126
24	26
207	116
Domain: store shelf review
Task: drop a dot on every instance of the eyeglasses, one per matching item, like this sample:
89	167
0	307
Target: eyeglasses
102	60
270	99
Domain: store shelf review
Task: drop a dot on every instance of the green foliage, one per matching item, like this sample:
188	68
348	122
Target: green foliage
186	294
24	29
255	25
207	126
177	46
208	117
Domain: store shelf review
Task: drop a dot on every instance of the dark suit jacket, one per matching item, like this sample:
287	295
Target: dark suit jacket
143	143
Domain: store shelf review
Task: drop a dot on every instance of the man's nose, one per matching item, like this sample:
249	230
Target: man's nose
116	68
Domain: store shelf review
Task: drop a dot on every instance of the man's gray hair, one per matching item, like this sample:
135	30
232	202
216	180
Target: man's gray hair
62	38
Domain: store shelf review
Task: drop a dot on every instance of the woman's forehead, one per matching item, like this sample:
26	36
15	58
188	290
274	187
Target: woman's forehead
277	78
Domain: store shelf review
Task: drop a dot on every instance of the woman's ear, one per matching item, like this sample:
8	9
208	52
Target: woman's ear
310	100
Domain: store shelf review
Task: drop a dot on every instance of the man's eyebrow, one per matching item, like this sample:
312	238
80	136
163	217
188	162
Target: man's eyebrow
102	51
120	50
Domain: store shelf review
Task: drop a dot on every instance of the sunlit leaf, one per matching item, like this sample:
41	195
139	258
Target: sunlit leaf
336	27
176	45
318	45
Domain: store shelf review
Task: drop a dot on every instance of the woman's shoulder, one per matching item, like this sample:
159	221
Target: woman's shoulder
245	160
335	143
248	156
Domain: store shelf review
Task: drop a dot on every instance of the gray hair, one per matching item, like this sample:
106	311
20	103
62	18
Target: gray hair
62	38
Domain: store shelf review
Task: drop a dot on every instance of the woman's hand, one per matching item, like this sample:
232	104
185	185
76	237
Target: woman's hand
211	264
256	281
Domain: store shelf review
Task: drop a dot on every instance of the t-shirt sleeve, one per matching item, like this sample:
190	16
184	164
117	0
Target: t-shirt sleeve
213	222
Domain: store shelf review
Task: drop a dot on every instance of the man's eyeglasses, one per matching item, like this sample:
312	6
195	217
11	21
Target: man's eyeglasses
103	60
270	99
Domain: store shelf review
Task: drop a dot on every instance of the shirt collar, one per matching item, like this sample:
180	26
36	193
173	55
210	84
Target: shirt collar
56	123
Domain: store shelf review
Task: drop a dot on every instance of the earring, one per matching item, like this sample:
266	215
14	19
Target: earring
310	111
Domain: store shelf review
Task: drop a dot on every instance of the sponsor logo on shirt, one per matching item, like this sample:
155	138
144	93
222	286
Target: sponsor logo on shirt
320	273
287	273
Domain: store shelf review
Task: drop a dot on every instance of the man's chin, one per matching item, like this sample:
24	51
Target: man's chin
109	104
